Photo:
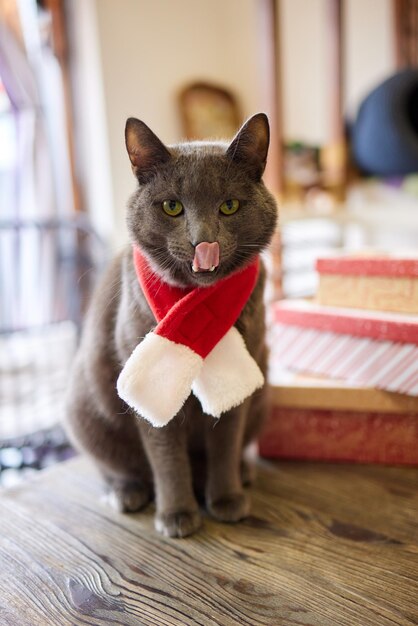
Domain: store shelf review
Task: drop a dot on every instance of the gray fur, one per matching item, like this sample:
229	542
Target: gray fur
194	451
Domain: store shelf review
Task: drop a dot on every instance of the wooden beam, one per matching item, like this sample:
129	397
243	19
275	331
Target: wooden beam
398	10
60	43
270	88
334	153
405	32
335	37
271	103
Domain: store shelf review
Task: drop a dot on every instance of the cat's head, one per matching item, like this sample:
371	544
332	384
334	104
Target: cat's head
201	210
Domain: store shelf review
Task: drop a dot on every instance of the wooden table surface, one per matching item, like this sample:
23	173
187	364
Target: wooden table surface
326	545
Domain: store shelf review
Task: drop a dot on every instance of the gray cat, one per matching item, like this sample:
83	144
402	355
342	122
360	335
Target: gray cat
187	194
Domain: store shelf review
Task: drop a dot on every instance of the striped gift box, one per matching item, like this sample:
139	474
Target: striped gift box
368	348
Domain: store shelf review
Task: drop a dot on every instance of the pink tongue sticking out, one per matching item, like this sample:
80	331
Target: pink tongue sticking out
206	257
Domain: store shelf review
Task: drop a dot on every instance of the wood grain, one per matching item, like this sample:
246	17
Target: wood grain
326	545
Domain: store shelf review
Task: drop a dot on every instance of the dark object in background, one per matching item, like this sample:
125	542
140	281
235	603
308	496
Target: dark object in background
24	456
385	133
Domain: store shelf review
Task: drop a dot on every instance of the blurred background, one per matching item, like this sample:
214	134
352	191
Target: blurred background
339	81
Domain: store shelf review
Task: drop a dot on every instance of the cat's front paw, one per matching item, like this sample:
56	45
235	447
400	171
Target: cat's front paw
127	499
230	508
178	524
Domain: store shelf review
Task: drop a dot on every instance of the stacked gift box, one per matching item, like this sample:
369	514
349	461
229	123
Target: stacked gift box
344	368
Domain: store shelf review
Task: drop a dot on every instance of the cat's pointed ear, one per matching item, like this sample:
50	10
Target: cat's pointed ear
250	145
145	150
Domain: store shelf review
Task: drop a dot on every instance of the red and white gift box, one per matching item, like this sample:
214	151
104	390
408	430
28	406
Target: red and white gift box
384	283
367	348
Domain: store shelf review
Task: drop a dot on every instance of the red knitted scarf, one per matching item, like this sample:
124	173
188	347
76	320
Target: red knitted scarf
196	317
194	346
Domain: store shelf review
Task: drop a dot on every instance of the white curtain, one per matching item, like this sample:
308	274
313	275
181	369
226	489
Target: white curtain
38	187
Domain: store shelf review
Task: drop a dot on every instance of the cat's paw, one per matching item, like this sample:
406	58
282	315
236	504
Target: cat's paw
178	524
127	499
230	508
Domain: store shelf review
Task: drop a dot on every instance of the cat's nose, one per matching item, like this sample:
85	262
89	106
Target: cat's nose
206	257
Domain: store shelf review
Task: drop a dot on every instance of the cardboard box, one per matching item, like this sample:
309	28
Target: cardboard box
318	419
376	283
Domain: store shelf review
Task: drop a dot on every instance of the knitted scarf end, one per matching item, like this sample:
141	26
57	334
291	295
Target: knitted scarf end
159	375
157	378
229	376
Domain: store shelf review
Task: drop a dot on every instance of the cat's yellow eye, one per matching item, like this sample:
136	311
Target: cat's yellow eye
229	207
172	207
